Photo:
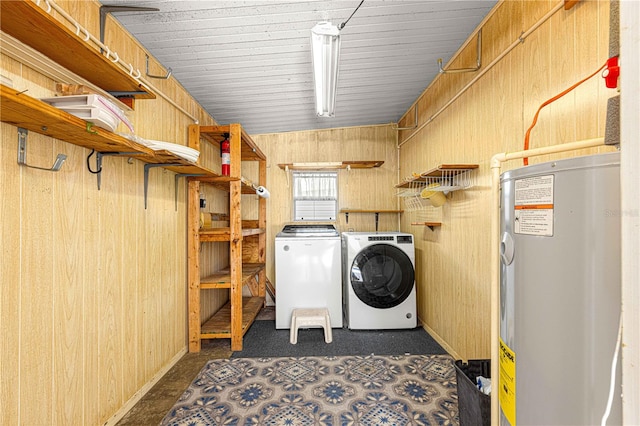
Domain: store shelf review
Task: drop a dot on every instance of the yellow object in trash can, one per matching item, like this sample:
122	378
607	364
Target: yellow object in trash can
437	198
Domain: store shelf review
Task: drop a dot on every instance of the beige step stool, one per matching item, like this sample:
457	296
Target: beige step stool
301	318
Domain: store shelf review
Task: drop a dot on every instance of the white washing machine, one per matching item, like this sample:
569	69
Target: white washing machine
378	282
308	272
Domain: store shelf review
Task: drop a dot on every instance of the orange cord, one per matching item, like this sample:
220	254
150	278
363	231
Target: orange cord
555	98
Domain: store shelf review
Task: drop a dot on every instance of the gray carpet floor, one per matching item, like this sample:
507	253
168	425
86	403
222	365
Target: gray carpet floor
264	340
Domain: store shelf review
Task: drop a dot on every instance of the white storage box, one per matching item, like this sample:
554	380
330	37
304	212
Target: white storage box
99	117
73	103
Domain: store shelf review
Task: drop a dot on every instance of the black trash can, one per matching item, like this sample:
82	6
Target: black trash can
473	405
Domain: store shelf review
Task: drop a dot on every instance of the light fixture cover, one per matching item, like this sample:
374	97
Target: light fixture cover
325	48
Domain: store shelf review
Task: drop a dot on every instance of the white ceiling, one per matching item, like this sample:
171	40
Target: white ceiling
249	61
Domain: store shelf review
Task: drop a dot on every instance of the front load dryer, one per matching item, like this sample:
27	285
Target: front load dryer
378	283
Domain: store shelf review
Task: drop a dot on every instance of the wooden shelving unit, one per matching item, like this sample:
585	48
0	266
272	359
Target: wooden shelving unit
234	318
220	326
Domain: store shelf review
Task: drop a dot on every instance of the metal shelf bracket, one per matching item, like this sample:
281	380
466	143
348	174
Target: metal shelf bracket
148	167
107	9
99	156
162	77
461	70
177	178
22	153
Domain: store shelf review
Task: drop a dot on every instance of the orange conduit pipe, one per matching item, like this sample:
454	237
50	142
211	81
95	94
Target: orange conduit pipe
525	160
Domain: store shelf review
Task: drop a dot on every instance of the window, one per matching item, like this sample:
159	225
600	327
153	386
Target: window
315	196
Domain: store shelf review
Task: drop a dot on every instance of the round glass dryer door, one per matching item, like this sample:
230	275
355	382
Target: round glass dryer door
382	276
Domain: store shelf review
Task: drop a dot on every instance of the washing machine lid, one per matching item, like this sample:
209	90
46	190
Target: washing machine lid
302	230
382	276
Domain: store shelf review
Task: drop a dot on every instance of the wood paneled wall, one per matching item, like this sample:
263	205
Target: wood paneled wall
492	116
357	188
93	294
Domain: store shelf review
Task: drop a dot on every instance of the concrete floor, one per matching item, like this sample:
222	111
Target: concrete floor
158	401
152	408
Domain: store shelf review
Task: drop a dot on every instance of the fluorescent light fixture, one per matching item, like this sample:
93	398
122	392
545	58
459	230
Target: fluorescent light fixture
325	48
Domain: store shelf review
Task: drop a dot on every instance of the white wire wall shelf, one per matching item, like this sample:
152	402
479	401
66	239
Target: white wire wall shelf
417	190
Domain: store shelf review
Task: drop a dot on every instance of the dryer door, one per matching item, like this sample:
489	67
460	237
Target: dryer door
382	276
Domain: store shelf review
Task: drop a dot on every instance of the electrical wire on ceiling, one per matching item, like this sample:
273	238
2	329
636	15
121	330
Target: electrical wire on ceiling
354	12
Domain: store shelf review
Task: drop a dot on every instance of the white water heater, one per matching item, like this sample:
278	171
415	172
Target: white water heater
560	291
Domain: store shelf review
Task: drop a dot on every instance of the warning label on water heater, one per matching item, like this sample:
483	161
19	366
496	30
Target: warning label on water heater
533	206
507	380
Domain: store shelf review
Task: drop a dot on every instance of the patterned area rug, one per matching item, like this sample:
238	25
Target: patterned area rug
351	390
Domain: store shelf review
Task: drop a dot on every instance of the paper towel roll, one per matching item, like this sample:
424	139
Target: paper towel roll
262	191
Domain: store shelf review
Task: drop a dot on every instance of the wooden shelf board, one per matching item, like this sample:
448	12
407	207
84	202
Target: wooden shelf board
452	168
222	278
252	231
331	165
22	110
33	26
224	233
363	164
222	182
215	180
205	285
449	169
215	234
250	151
369	211
187	167
34	115
219	325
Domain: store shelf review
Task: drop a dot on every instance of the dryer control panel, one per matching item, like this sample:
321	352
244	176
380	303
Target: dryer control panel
381	238
405	239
